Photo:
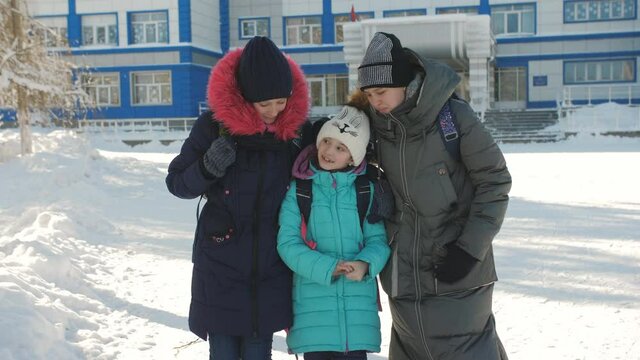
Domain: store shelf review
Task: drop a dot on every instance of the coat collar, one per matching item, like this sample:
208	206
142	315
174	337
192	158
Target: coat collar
421	110
303	168
239	117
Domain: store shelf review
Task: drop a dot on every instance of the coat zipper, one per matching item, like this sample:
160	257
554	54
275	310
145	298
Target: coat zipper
254	250
334	185
416	239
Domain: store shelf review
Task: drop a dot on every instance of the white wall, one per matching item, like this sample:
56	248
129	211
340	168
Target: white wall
205	24
122	7
47	7
301	7
552	69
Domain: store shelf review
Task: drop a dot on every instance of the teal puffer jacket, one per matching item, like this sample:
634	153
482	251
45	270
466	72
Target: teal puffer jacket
331	314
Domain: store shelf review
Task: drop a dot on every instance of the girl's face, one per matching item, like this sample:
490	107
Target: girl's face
384	100
270	109
333	154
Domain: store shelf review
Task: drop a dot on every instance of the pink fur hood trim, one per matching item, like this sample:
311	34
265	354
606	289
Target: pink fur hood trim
239	117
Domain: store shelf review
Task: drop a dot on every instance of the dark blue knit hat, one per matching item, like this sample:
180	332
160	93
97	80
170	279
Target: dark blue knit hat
263	71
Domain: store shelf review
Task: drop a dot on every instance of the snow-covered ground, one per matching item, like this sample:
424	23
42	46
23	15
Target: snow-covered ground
95	253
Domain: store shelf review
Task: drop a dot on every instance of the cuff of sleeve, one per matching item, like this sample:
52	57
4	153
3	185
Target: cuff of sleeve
205	172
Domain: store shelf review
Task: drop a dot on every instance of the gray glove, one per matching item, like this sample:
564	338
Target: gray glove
219	156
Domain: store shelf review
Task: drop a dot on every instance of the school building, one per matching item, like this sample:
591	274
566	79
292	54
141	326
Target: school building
150	59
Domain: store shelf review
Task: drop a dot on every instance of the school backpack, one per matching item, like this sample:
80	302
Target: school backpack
304	196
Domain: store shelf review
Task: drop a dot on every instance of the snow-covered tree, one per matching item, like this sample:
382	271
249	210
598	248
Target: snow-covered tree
34	79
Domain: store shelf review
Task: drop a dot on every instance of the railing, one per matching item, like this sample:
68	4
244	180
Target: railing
617	108
139	129
591	94
202	107
603	118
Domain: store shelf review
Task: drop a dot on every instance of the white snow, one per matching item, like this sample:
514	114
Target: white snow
95	253
602	118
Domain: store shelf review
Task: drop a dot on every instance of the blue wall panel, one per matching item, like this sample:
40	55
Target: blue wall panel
184	20
188	82
328	28
73	25
224	26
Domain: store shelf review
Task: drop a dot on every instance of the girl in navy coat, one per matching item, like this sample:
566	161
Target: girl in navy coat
239	157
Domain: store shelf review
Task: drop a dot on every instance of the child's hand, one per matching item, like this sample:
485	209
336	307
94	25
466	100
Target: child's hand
342	268
360	269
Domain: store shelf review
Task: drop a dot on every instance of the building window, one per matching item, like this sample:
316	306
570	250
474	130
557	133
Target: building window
510	84
599	71
55	34
599	10
149	27
254	27
99	29
103	88
328	90
304	30
346	18
401	13
457	10
151	88
513	19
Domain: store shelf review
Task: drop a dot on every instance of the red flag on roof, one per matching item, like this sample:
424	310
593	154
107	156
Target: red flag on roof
353	14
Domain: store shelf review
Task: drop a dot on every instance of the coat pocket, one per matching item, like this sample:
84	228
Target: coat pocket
217	225
434	191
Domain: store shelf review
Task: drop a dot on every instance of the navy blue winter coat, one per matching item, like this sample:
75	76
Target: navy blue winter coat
240	286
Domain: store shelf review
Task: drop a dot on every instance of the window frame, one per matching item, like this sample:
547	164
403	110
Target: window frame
103	86
46	36
393	13
496	9
324	80
567	3
521	86
82	26
285	29
241	20
472	7
130	27
132	87
336	23
599	63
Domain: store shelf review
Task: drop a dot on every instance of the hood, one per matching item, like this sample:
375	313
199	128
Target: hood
238	115
304	169
439	83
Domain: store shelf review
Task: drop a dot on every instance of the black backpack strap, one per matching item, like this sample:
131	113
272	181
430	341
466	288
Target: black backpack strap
448	129
304	198
363	197
303	195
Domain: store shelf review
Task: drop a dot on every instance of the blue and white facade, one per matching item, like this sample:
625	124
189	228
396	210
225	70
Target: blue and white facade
151	58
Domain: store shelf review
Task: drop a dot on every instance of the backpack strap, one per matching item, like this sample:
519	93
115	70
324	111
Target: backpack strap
448	130
363	196
304	198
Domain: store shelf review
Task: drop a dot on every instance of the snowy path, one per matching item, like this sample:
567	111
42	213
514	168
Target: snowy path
95	253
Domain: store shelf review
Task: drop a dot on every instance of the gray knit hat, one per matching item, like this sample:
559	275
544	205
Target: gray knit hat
385	64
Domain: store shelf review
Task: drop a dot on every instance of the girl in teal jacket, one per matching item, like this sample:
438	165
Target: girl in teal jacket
335	297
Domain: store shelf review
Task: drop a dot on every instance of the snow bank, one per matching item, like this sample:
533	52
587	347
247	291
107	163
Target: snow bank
607	117
95	253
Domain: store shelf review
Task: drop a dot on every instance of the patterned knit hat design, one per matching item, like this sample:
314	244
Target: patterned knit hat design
351	127
385	64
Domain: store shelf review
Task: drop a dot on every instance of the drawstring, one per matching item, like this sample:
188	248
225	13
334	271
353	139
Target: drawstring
198	209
